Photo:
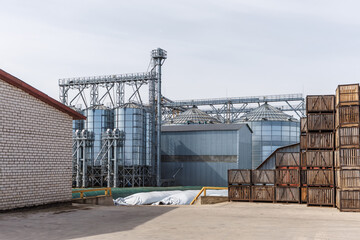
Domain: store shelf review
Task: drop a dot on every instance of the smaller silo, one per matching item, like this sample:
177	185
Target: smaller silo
192	116
272	129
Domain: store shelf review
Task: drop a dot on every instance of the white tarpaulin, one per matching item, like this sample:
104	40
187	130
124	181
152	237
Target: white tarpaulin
185	197
144	198
166	197
181	198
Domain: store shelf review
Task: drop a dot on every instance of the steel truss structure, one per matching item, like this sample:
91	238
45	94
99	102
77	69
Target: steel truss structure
228	110
115	90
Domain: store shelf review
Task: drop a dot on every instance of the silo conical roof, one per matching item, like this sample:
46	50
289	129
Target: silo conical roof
266	112
192	116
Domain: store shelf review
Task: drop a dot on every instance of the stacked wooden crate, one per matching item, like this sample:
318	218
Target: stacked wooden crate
287	177
320	146
263	188
251	185
303	131
239	185
347	155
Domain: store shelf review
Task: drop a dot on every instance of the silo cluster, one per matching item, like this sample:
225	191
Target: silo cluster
113	146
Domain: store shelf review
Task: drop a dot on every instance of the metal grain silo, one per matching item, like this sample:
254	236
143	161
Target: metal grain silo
271	129
99	119
131	119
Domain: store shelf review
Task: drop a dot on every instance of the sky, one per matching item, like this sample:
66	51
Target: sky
228	48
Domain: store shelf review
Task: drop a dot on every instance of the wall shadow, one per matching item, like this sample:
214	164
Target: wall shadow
76	221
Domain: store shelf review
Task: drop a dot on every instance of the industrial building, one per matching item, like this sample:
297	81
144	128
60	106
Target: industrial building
121	144
271	129
201	154
35	146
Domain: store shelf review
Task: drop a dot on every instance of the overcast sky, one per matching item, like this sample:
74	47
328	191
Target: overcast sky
227	48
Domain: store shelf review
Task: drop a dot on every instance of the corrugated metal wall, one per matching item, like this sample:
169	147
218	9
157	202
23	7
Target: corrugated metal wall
205	156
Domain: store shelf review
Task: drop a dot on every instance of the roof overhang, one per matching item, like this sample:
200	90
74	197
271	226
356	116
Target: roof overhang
10	79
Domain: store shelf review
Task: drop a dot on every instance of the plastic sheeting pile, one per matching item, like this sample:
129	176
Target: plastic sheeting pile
165	197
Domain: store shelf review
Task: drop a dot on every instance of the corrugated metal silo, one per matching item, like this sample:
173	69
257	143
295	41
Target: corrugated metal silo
132	119
99	119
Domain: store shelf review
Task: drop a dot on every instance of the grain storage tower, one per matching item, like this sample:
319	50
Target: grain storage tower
192	116
133	120
271	129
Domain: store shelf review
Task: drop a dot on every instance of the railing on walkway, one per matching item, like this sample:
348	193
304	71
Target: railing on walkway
203	190
107	192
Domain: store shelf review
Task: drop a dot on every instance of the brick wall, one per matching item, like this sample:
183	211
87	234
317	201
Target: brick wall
35	151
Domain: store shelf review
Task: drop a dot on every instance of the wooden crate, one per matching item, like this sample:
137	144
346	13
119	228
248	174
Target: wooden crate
348	200
303	125
320	196
263	193
347	116
320	177
239	193
320	122
347	137
320	103
347	95
319	158
287	194
348	179
303	194
263	176
303	142
287	159
287	176
324	140
303	177
303	159
239	176
347	158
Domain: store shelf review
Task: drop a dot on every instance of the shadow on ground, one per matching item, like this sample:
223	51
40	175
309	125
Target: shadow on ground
75	221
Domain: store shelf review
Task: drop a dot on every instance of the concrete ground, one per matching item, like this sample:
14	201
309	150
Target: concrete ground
221	221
